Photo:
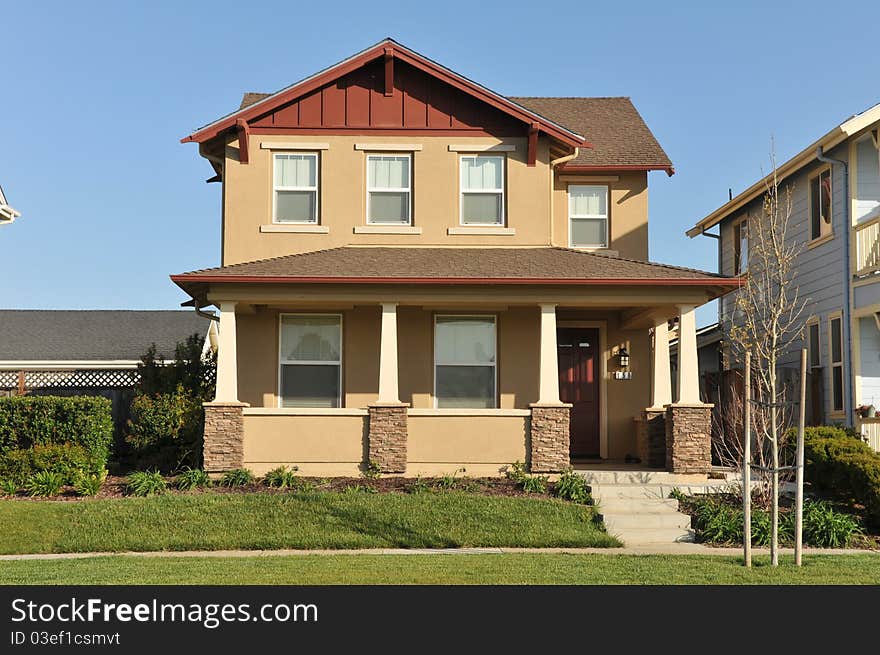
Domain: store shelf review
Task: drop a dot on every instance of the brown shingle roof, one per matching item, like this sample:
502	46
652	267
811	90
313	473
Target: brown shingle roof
457	265
613	125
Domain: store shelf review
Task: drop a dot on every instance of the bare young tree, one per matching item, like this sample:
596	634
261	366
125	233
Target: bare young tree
767	322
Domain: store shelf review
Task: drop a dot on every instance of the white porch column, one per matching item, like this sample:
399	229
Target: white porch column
661	389
227	361
688	368
388	390
549	366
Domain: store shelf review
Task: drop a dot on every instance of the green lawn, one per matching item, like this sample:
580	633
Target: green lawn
443	569
298	520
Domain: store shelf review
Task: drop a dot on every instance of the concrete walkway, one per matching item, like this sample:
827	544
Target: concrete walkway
652	549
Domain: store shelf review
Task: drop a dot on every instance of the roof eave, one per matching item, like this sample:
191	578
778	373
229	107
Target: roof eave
589	168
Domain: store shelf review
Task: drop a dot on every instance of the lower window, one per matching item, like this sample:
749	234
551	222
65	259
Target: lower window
836	336
310	360
464	361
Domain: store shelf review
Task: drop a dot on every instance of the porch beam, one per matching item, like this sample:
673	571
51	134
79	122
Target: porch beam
388	386
549	366
688	369
227	358
661	389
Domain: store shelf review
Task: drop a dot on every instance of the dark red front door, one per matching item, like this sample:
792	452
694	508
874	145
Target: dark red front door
579	385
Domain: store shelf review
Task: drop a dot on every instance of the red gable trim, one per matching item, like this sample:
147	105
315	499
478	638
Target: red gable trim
586	168
388	47
243	279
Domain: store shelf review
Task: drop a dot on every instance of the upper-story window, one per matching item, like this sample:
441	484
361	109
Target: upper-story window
588	216
740	247
389	189
296	187
820	205
482	190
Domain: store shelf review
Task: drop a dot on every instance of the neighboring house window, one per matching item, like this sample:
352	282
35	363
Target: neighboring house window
740	247
482	190
311	360
836	357
588	216
296	187
389	189
813	345
820	205
464	361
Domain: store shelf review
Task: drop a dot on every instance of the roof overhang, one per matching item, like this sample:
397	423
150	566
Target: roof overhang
587	169
806	156
387	47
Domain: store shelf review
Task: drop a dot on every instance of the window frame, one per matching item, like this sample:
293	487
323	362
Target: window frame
339	364
809	325
832	365
369	191
502	191
316	190
826	230
738	226
606	217
494	365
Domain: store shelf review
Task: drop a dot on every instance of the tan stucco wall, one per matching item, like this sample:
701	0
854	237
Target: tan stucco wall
439	442
318	445
247	190
627	210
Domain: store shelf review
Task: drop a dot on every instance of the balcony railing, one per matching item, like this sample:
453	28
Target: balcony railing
869	428
868	247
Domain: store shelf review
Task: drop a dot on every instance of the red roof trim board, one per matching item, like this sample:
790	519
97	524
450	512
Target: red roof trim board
389	47
243	279
581	168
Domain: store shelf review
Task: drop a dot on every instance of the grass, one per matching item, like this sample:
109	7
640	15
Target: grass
212	521
443	569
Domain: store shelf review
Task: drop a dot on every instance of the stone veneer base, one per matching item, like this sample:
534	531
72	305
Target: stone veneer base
387	437
688	438
223	448
651	437
549	438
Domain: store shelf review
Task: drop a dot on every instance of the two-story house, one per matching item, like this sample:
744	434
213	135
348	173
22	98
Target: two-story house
835	222
420	273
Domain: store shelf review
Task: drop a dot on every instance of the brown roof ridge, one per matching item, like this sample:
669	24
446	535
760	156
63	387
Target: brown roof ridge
671	267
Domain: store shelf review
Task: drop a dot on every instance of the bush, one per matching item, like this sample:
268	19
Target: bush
827	528
237	478
8	487
145	483
44	483
841	465
190	479
281	477
89	484
67	459
85	421
536	484
165	430
572	486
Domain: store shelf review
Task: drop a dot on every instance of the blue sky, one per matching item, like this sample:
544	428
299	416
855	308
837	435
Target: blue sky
97	95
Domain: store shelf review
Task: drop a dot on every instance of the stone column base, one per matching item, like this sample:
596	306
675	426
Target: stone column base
689	438
223	448
387	437
651	437
549	438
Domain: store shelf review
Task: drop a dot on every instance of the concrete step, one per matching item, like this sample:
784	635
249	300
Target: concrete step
645	521
653	490
613	505
641	536
641	476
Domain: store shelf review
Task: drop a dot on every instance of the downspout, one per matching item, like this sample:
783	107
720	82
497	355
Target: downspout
847	328
553	164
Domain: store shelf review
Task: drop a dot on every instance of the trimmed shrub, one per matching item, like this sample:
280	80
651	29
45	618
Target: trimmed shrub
86	421
44	483
145	483
68	460
165	430
839	464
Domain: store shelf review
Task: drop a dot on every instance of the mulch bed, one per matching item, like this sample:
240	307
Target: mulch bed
114	487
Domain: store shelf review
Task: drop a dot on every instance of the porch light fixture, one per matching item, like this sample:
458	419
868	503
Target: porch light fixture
623	358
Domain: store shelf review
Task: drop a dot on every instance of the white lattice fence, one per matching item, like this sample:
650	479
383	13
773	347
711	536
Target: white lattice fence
80	379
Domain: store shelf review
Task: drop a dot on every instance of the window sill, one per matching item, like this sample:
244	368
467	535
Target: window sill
305	411
295	228
818	242
598	251
482	230
387	229
450	411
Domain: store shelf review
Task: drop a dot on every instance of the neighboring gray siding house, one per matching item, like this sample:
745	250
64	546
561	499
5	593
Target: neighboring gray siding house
835	185
7	213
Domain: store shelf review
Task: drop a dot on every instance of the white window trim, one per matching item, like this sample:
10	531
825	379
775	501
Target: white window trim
461	191
836	316
282	362
494	364
276	189
605	217
408	190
